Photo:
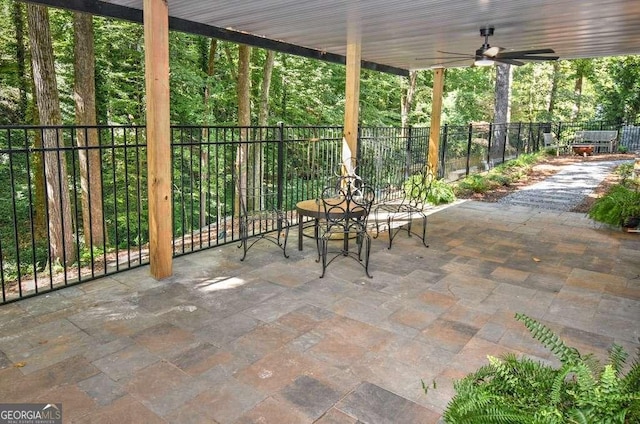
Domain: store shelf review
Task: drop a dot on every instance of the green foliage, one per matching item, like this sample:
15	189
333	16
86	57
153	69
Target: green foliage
441	193
618	204
429	188
504	174
475	183
625	171
519	390
618	88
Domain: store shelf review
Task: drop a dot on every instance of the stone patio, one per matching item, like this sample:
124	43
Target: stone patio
267	341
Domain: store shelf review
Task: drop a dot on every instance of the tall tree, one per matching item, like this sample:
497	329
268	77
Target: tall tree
21	60
55	170
263	116
267	72
244	112
407	98
502	108
582	69
84	95
208	120
554	90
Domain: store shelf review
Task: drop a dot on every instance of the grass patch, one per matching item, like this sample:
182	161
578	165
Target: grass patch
502	175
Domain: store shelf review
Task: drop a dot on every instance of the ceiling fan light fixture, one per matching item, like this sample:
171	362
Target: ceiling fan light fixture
483	61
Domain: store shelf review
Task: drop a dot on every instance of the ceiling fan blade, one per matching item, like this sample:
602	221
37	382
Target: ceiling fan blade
451	61
508	61
521	53
533	57
456	54
492	51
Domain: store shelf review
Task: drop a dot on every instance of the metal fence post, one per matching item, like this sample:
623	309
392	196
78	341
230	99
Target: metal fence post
519	140
280	163
559	130
469	147
489	145
407	158
442	170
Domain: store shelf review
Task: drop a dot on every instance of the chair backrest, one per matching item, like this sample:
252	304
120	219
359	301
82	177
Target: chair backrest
347	203
418	187
256	198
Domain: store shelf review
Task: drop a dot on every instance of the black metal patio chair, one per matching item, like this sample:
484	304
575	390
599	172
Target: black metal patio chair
261	217
401	201
347	203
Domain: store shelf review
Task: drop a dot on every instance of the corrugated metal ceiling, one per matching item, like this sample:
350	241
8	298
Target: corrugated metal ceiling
398	33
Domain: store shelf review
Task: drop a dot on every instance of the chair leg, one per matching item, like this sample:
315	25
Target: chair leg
286	237
324	244
244	236
424	231
391	233
375	216
367	251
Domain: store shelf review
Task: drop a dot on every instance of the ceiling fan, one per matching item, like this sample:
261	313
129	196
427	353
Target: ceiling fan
487	55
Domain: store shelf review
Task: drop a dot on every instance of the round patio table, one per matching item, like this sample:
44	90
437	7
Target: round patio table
313	208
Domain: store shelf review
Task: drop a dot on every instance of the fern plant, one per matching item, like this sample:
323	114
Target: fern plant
519	390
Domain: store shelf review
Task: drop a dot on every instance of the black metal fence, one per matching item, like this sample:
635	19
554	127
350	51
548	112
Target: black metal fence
47	242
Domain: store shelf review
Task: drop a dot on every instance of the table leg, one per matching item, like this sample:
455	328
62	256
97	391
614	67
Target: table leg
299	231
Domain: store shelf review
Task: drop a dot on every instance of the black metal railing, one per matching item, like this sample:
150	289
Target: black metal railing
102	226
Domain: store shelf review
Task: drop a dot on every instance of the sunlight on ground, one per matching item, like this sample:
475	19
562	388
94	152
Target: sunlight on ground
222	283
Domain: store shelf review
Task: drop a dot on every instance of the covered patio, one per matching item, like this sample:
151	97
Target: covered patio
205	338
267	341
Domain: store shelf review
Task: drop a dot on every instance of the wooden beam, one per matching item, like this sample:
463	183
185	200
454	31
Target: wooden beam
436	113
156	59
107	9
352	94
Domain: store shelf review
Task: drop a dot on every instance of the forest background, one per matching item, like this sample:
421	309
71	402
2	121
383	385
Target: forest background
66	68
299	91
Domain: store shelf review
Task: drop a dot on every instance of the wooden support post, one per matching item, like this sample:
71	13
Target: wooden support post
436	113
156	57
352	93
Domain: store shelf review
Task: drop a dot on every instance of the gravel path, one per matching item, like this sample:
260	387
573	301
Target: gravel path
565	189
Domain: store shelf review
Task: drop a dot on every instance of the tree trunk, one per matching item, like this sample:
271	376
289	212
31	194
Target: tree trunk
263	116
88	157
554	90
21	60
502	110
407	99
44	76
577	91
244	112
267	71
204	151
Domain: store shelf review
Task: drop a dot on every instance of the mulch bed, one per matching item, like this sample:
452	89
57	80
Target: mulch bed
550	166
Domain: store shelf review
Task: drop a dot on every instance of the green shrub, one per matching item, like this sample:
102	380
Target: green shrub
504	174
618	204
441	193
520	390
500	179
625	171
475	183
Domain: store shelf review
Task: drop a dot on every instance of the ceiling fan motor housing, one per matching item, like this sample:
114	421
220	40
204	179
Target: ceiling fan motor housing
486	31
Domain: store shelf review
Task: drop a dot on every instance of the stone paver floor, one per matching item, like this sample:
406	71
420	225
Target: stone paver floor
267	341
